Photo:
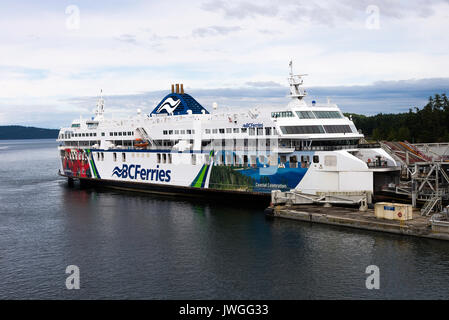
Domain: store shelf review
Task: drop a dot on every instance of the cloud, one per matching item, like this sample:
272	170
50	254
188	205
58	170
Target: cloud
128	38
214	31
242	9
263	84
382	96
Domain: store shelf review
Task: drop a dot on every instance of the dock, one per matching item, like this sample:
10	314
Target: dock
419	226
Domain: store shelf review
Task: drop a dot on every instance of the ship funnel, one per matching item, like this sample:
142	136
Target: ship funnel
182	88
172	88
177	88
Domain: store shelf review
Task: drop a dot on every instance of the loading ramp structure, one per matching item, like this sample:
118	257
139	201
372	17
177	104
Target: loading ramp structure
424	174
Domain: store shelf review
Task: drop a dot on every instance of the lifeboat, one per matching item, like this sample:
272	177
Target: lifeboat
139	143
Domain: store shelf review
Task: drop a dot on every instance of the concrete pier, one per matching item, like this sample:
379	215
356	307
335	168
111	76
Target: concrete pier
419	226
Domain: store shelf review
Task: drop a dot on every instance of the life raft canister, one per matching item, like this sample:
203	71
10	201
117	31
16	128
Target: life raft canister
399	214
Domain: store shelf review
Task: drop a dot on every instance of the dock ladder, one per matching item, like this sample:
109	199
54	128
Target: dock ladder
434	200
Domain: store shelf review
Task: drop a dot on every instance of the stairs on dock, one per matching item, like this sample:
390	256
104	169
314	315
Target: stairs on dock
430	204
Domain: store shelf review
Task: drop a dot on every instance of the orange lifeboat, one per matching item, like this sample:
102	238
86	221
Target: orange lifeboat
139	143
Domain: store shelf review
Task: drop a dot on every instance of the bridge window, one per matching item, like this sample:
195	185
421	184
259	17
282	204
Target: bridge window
115	156
222	130
316	159
302	129
338	129
236	130
282	114
158	158
305	114
193	159
123	156
328	114
252	131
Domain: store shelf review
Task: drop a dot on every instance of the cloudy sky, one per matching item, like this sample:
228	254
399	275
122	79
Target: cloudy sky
367	56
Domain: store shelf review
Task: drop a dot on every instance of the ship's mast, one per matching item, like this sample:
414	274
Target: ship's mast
295	81
100	107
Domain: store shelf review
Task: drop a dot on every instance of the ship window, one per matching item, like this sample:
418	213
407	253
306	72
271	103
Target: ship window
98	156
158	158
228	130
327	114
130	133
338	129
115	156
119	133
193	159
302	129
102	134
267	131
244	130
123	156
170	131
189	131
183	132
214	130
164	132
115	133
305	114
193	131
222	130
111	134
259	131
164	158
236	130
282	114
316	159
252	131
169	158
207	130
176	131
102	156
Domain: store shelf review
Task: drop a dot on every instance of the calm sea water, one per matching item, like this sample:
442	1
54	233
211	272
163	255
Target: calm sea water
153	247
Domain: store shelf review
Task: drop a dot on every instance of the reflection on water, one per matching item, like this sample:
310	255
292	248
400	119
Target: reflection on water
151	247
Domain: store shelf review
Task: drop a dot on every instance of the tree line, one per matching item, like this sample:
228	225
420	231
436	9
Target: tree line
428	124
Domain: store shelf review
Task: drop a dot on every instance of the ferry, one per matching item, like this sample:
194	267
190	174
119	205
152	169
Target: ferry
182	147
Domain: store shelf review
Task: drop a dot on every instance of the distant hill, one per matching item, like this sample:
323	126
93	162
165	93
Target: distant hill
21	132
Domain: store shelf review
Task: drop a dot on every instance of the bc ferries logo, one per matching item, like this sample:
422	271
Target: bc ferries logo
169	105
135	171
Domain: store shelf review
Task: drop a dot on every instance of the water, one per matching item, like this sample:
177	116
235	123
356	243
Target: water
153	247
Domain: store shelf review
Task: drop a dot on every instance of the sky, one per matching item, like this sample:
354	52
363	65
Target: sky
366	56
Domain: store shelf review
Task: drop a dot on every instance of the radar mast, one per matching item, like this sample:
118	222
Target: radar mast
295	81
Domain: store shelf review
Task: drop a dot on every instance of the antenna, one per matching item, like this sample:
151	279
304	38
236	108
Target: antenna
295	81
100	106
